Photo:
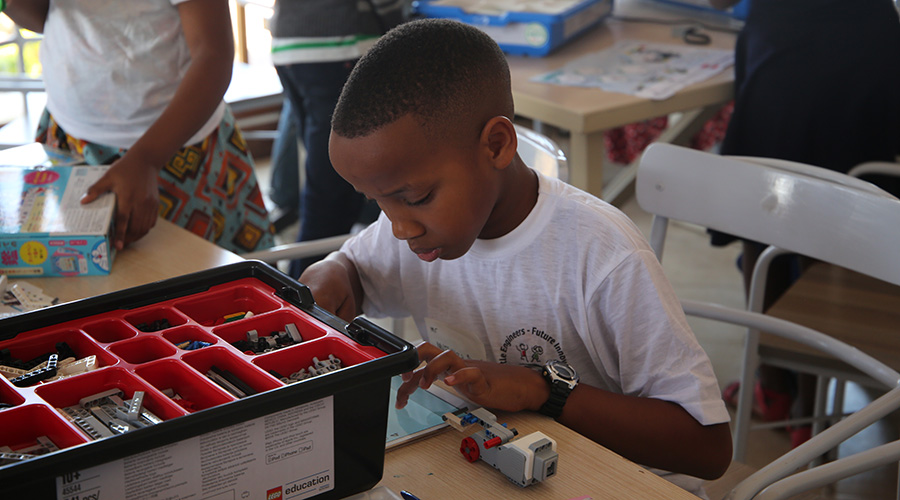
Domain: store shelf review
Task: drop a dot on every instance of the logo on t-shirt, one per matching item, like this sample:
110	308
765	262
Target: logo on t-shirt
530	346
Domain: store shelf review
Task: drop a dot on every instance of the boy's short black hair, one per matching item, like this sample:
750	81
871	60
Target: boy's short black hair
439	70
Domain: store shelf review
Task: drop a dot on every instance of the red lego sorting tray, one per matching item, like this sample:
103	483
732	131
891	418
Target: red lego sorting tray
228	383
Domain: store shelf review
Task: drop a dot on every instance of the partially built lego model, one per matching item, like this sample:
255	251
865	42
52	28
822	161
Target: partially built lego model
524	460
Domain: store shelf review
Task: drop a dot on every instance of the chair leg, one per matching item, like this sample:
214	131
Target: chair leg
837	410
745	397
819	412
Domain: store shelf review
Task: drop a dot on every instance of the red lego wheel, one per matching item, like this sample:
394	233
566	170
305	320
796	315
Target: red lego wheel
469	449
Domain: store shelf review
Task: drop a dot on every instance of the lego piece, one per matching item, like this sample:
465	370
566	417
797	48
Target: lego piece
294	332
135	406
82	365
524	461
154	326
92	427
225	384
97	399
234	380
228	318
37	375
47	443
10	372
7	458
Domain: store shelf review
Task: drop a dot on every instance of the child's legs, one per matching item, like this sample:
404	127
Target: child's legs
330	205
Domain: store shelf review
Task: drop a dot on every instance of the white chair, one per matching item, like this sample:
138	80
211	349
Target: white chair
536	150
800	209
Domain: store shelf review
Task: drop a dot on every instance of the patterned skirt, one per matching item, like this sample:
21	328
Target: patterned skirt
208	188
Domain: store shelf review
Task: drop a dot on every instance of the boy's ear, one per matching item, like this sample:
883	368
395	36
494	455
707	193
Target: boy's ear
499	139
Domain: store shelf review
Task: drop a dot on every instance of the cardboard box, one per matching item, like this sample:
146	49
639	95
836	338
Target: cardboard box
44	228
319	437
522	27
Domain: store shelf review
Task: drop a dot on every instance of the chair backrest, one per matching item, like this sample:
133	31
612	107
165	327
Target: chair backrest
778	479
799	208
806	210
541	153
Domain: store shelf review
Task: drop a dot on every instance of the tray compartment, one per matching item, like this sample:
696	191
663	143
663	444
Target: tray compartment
194	388
70	391
110	330
156	319
20	427
210	308
266	325
285	362
9	396
204	359
188	333
142	349
43	344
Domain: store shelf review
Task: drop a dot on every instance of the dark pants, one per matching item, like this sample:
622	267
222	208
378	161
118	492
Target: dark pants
329	206
285	183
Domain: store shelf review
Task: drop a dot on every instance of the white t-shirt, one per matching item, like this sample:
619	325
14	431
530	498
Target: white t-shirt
576	281
111	67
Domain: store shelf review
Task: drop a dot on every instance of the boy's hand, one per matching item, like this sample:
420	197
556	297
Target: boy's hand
331	287
136	186
494	385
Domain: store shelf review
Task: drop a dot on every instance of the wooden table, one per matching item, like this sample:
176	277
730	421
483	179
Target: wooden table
857	309
165	252
433	468
587	112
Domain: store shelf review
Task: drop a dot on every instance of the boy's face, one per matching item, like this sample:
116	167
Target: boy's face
439	195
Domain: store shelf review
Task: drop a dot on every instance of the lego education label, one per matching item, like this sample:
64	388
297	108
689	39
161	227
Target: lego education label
287	455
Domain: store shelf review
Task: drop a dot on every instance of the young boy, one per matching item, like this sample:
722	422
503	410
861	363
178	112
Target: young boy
504	269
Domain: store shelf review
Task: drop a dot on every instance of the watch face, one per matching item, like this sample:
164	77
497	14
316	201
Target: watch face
563	370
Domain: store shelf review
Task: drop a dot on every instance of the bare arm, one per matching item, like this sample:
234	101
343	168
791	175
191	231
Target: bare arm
29	14
648	431
207	29
335	285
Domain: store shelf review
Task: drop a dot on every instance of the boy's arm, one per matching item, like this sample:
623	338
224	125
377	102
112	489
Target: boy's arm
649	431
207	30
29	14
335	285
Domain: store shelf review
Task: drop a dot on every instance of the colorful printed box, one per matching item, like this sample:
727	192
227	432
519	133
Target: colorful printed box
44	228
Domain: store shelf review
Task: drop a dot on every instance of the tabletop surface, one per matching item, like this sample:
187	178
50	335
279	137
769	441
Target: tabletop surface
434	468
587	109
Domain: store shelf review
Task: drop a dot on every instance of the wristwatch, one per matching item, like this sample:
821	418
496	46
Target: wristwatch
562	379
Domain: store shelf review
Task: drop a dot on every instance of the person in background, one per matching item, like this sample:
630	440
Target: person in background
804	94
284	185
315	44
139	85
487	254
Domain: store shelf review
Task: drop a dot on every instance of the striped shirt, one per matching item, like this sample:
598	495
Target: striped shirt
306	31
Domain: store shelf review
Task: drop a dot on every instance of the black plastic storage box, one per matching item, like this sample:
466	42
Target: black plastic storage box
195	395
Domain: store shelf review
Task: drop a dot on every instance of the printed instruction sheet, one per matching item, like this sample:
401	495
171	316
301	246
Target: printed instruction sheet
650	70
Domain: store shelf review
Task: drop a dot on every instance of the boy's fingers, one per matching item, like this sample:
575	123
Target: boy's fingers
445	362
406	388
122	220
96	189
470	379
